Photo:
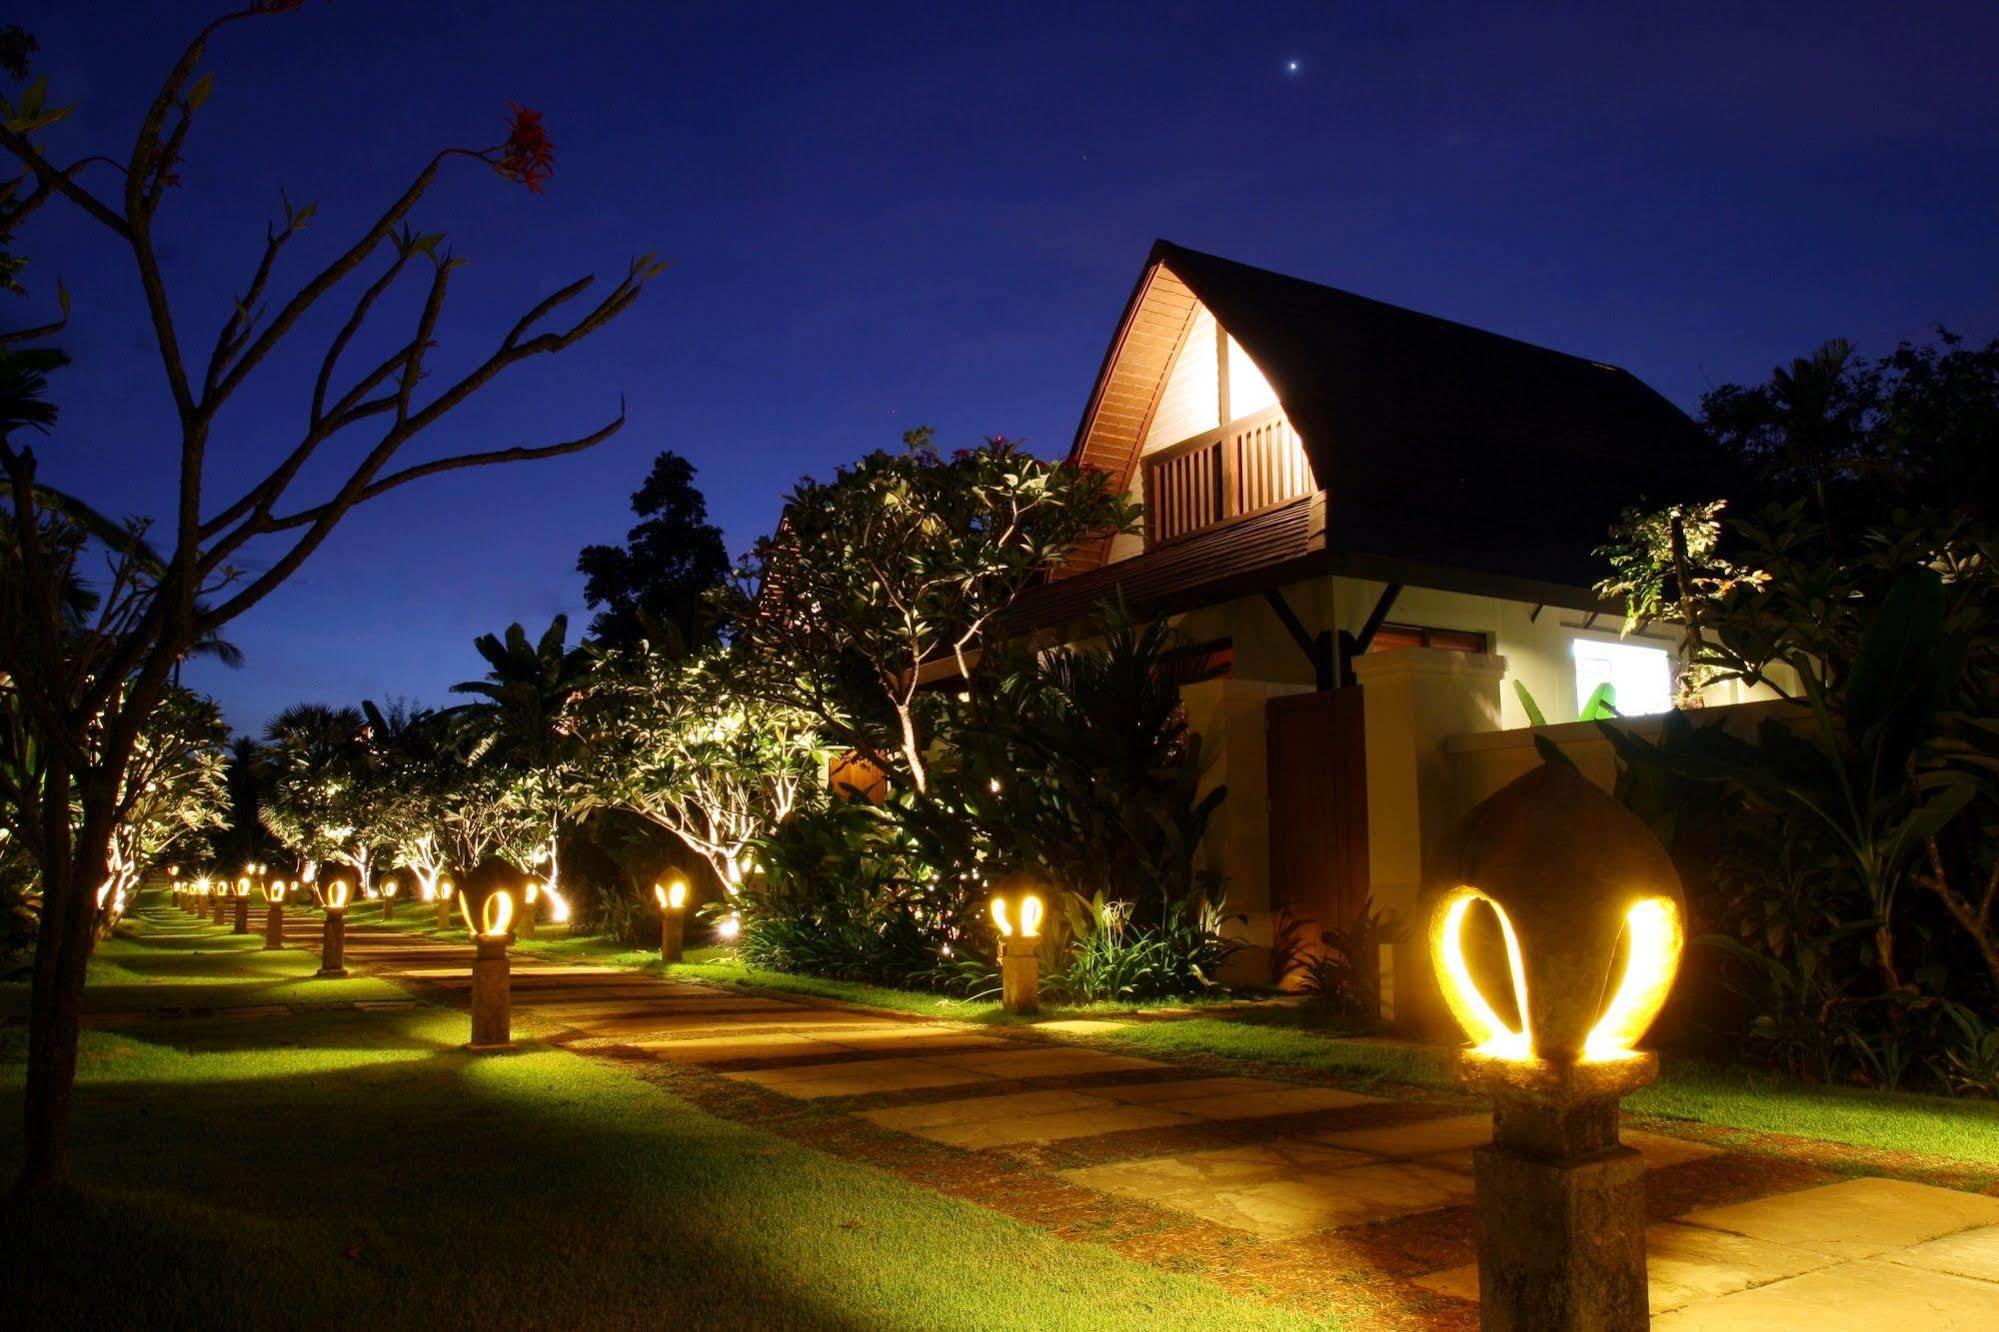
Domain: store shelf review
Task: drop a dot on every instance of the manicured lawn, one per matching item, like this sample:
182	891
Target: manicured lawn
200	966
343	1168
1958	1128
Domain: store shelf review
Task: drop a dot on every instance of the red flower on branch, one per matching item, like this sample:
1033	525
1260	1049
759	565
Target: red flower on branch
528	155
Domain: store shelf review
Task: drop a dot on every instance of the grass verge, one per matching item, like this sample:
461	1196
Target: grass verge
344	1168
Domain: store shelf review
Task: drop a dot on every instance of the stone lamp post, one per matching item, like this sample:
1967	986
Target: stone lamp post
240	907
524	921
672	919
274	915
333	933
1020	944
389	890
441	901
492	974
1583	918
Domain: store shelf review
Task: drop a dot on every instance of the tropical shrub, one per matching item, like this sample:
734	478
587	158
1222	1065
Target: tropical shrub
1842	861
1106	957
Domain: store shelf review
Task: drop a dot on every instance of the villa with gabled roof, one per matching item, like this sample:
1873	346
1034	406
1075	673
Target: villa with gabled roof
1374	530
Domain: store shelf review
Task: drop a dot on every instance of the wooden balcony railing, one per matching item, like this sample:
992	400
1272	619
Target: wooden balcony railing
1245	467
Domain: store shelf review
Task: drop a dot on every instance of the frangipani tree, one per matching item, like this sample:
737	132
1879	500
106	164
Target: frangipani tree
412	769
88	696
321	801
176	789
902	562
680	744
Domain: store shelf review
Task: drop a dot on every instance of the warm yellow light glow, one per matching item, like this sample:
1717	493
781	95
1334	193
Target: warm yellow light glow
243	887
558	905
336	895
201	885
729	927
672	898
1654	938
173	871
389	888
445	888
1490	1035
496	915
1031	914
274	891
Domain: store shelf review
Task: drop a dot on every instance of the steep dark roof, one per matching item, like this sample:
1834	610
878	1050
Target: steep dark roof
1445	445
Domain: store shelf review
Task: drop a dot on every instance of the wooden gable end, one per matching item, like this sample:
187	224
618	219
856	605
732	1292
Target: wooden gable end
1156	322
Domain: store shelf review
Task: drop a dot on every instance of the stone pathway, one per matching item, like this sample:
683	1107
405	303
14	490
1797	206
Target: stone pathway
1285	1189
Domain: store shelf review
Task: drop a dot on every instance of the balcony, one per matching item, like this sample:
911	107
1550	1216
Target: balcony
1253	464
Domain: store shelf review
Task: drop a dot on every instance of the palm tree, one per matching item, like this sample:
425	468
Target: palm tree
318	791
525	725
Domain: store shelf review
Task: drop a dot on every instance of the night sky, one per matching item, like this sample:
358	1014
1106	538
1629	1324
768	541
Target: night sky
933	213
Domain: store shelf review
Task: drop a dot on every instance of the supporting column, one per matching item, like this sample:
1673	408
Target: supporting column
1414	699
492	1000
672	933
333	945
274	927
242	925
1020	974
443	905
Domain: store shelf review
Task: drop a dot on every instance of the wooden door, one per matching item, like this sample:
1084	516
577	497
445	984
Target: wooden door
1317	769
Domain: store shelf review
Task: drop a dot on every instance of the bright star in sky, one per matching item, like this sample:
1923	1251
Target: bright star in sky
1292	67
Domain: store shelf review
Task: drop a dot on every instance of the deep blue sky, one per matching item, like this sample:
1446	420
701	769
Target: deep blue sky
881	216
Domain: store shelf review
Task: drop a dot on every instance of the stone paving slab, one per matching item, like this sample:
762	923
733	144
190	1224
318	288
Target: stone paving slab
1103	1117
1168	1180
1258	1105
1299	1206
1157	1093
1856	1218
1043	1063
1969	1253
725	1049
1868	1295
908	1118
916	1038
864	1077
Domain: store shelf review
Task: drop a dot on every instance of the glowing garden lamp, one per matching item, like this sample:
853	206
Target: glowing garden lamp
241	924
1554	952
333	933
672	900
530	900
492	975
1017	913
389	891
446	889
274	915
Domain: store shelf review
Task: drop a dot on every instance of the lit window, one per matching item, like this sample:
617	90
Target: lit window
1249	391
1640	678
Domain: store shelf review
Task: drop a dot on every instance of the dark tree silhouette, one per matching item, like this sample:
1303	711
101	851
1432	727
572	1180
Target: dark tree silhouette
655	586
87	693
